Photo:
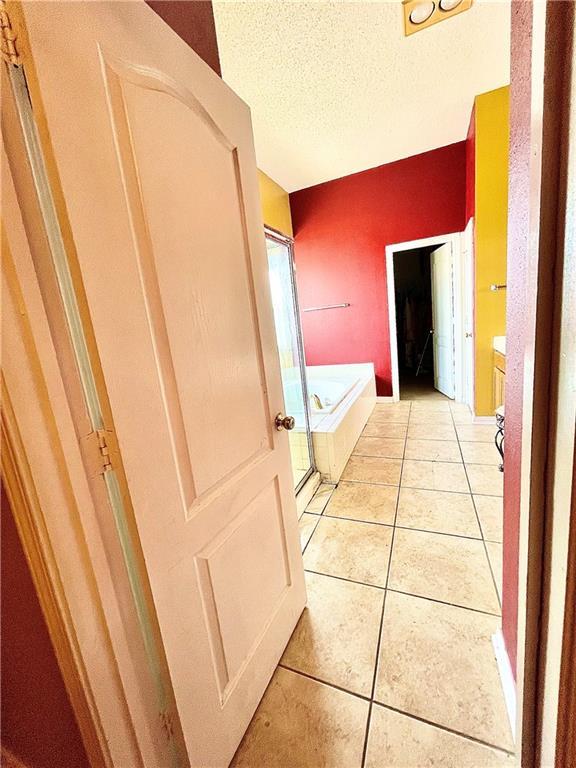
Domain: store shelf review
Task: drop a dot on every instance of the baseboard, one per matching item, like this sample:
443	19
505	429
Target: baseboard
506	678
386	399
484	420
308	490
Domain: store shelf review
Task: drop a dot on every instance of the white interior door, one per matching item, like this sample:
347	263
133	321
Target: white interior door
155	159
443	318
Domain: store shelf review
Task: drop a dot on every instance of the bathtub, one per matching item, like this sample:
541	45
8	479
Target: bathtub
348	396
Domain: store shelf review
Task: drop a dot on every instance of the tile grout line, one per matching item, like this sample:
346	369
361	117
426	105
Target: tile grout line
371	700
402	592
478	518
379	641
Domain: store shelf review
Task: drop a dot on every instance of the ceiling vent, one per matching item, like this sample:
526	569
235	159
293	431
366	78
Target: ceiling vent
419	14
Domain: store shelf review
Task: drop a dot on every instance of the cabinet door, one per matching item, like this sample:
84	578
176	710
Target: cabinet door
498	388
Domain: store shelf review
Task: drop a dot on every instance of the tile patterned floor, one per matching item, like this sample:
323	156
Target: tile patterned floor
391	664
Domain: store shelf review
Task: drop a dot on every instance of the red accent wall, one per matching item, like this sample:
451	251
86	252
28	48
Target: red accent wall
38	724
518	245
193	20
471	167
341	229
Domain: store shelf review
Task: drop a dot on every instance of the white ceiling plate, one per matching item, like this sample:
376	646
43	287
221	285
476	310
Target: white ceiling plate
336	87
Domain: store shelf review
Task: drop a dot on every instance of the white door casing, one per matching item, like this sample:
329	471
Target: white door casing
442	270
156	164
468	313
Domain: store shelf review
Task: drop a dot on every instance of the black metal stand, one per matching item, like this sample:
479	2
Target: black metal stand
499	437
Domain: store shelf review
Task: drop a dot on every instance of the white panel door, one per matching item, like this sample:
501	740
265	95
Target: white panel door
156	164
443	318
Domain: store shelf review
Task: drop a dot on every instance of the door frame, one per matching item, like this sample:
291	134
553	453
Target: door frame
273	234
455	241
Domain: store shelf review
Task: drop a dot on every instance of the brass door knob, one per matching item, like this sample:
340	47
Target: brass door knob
284	422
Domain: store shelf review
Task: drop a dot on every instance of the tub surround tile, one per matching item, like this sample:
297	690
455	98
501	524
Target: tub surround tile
379	446
472	433
447	568
480	453
351	550
393	431
485	480
302	723
437	511
306	525
337	635
428	432
434	476
361	501
398	741
368	469
433	450
320	498
491	513
437	662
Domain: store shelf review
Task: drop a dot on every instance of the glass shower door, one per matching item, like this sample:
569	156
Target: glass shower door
289	338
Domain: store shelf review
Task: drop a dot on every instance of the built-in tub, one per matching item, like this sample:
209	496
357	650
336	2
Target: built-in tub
348	394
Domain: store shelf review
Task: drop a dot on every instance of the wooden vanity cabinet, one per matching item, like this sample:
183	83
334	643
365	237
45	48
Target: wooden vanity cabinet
499	380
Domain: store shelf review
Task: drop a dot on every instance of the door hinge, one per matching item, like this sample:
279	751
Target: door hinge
99	451
8	37
167	724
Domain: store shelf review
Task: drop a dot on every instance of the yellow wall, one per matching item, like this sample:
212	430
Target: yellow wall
492	111
275	205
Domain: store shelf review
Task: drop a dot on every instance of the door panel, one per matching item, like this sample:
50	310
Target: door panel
155	160
443	319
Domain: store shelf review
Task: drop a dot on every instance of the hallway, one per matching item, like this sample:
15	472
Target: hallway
392	662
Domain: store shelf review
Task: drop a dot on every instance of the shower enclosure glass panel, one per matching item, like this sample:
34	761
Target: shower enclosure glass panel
289	338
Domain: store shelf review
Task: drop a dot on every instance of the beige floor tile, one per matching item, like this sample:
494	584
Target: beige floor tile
368	469
484	480
480	453
490	511
431	418
495	555
437	511
389	417
433	450
391	407
337	636
377	429
306	524
434	476
320	498
357	551
424	432
476	433
441	406
398	741
461	418
437	662
460	410
301	723
448	568
379	446
362	501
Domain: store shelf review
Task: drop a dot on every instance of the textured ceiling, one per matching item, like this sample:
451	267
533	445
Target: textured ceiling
336	87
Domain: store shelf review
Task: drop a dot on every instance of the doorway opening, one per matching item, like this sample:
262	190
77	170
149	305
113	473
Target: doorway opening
427	287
